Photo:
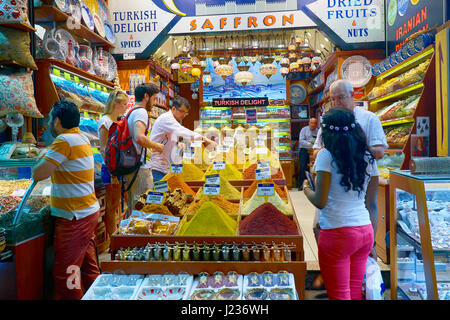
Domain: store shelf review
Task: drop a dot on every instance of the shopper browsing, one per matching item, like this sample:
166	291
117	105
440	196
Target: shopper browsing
70	163
138	124
346	194
306	141
342	95
115	107
167	129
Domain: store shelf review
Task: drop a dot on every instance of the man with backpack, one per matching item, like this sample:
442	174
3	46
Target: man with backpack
127	146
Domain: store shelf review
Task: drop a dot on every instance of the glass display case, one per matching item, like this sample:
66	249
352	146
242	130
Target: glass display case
420	236
24	206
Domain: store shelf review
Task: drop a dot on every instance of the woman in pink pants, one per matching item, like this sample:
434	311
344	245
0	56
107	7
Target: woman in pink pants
346	194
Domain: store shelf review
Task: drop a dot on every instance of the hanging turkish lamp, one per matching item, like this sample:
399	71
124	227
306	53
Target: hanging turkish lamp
224	70
216	63
206	78
284	71
186	67
243	77
243	67
285	62
224	60
293	67
298	41
268	70
203	64
253	59
196	72
175	66
246	59
292	47
238	60
292	57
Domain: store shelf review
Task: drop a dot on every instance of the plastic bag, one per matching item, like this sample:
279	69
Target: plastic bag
373	285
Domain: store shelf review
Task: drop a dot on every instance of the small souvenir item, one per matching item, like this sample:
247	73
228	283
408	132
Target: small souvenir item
85	55
168	279
254	280
99	25
177	252
174	293
283	279
235	253
245	253
218	280
196	253
157	252
150	294
276	253
281	294
203	295
215	253
70	59
266	253
186	253
203	280
154	280
87	17
232	279
287	255
182	278
256	294
225	253
268	279
206	252
228	294
167	252
63	5
256	253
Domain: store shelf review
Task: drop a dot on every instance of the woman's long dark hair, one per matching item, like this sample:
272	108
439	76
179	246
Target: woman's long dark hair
347	145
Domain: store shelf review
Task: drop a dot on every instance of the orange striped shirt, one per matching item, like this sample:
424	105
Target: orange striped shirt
73	190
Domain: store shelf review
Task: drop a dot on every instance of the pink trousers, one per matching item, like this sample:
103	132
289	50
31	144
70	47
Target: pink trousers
343	255
75	267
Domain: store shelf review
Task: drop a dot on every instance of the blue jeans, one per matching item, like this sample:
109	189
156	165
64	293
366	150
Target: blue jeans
157	175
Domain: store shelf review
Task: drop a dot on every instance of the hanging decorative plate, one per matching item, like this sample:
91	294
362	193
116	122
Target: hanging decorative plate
203	295
298	94
256	294
398	56
102	10
75	10
99	25
63	5
357	70
87	17
112	67
109	32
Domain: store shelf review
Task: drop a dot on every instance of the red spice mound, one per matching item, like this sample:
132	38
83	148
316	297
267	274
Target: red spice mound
248	193
250	173
267	220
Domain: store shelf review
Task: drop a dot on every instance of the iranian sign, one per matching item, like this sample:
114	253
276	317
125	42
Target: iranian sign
354	21
406	17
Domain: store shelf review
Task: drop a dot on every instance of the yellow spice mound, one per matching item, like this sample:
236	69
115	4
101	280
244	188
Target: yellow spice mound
190	173
256	201
227	190
210	220
230	172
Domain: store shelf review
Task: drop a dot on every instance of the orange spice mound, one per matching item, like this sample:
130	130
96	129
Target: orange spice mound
248	193
227	206
250	173
175	182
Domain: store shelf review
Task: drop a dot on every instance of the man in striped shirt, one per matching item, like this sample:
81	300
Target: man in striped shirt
70	163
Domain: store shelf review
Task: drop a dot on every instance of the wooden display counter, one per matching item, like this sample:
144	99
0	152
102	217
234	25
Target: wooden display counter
383	221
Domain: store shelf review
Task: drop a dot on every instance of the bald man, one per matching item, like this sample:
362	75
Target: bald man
306	141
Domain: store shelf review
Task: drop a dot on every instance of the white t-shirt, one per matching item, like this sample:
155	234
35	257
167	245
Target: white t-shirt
106	122
166	130
370	125
139	114
343	209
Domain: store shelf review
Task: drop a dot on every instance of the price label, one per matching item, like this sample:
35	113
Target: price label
86	114
263	165
155	197
176	168
77	79
67	75
46	191
259	143
92	85
228	141
56	72
262	174
196	144
219	165
98	87
105	90
213	179
223	149
261	150
211	189
161	186
266	189
188	154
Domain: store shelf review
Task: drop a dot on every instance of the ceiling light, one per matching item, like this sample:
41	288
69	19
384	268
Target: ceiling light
175	41
164	53
322	45
309	34
179	47
318	51
326	39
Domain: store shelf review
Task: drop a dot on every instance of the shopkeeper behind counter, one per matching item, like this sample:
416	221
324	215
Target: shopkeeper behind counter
166	130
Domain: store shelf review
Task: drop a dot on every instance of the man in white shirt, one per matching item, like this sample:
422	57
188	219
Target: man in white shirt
138	122
342	95
306	141
167	130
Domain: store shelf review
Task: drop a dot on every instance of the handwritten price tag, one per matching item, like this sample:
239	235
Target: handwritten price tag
176	168
211	189
219	165
213	179
266	189
161	186
155	197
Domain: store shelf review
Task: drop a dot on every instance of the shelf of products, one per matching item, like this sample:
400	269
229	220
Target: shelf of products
420	252
50	14
19	25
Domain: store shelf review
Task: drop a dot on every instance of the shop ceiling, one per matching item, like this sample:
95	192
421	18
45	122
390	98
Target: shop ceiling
242	43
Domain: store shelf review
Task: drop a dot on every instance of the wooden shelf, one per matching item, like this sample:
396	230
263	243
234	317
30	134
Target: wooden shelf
409	63
318	89
75	70
19	25
398	93
50	14
393	122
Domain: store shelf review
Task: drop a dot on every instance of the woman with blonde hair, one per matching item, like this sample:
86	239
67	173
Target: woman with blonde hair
115	107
